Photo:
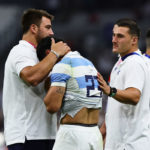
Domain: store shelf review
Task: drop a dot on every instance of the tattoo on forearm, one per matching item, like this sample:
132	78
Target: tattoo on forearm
59	90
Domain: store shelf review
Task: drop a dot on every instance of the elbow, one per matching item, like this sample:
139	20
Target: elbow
32	81
135	101
133	96
51	109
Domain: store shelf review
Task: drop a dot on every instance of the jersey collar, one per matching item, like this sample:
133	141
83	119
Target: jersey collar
133	53
148	56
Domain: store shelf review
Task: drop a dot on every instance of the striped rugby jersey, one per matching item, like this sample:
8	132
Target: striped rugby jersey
79	76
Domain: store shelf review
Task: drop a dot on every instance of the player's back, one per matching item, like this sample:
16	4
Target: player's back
82	88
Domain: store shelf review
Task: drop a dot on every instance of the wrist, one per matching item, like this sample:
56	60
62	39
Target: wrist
113	92
55	53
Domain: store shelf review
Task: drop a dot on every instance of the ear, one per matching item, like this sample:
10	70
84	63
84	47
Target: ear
134	40
33	28
47	51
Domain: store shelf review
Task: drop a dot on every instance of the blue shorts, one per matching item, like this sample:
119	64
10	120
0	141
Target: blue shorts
33	145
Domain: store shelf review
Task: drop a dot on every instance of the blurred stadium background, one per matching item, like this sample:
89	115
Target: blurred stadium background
86	25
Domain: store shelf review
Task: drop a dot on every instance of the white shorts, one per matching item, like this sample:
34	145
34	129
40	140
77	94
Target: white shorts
75	137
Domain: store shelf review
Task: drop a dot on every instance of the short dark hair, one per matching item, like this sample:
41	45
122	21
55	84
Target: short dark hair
33	16
45	44
131	24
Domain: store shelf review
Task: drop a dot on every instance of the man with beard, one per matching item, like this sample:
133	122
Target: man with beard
27	124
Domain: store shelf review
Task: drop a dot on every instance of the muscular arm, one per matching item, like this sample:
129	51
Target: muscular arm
128	96
35	74
53	98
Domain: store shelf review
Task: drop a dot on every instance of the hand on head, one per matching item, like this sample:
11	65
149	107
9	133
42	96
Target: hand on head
47	44
60	47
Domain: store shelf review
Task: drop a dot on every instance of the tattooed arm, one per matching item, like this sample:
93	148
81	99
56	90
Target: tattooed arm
53	99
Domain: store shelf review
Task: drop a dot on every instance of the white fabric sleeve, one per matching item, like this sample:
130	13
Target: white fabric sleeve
60	74
23	58
134	76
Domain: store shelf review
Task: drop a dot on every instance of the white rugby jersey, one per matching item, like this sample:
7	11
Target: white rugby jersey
147	58
128	126
79	76
25	115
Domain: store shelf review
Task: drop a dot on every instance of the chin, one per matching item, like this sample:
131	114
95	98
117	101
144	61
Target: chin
115	51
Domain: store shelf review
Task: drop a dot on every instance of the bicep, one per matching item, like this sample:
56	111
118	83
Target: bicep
30	75
24	73
128	96
53	98
24	66
134	93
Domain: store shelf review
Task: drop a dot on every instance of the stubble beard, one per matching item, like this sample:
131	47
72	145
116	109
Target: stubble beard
38	38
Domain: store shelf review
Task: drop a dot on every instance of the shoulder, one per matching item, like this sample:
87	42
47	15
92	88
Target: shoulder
136	60
136	64
24	49
76	60
147	59
20	48
70	57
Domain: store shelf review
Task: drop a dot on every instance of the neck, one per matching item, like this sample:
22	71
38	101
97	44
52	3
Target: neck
148	51
30	38
129	51
129	54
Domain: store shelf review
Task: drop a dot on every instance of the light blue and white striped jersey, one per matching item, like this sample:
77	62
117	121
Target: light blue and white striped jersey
79	76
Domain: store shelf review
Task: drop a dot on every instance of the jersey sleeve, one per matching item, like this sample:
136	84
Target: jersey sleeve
23	58
61	73
134	76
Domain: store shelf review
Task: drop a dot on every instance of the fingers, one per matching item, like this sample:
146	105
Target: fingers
53	40
102	84
101	81
100	78
99	75
67	47
60	47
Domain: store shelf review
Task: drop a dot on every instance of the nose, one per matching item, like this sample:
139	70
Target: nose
51	32
114	39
